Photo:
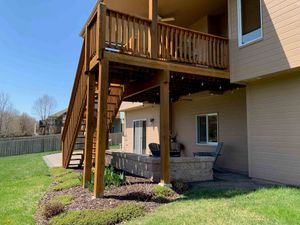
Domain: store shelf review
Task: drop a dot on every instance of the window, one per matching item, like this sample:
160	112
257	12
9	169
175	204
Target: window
249	21
207	129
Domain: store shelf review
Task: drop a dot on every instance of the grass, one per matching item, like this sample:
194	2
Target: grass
116	215
23	180
65	178
63	199
276	206
114	147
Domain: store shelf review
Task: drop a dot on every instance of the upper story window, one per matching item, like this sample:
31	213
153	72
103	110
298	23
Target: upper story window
207	128
249	21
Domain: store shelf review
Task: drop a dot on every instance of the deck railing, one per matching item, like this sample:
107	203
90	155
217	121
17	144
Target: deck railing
188	46
75	111
116	31
128	34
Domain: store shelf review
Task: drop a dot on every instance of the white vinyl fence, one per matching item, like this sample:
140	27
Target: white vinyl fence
28	145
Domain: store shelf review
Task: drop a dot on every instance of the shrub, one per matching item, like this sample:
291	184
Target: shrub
162	191
180	187
113	216
110	178
162	194
113	178
63	199
52	209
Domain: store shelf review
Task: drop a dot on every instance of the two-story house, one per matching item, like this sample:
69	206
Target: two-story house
209	71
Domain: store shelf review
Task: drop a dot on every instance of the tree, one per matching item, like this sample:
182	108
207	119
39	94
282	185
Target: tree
44	106
26	124
5	112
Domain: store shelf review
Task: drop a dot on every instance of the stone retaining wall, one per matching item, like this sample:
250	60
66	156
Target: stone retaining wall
189	169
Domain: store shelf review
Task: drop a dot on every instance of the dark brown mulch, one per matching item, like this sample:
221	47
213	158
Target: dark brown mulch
136	190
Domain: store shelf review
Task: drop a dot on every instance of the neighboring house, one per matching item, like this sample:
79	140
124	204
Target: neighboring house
53	124
217	71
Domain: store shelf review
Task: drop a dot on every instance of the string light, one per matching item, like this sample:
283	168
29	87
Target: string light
202	84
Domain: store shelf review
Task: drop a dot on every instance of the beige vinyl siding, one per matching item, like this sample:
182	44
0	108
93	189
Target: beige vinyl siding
273	107
232	126
152	130
277	51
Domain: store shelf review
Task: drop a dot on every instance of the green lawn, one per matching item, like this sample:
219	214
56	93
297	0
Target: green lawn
23	180
276	206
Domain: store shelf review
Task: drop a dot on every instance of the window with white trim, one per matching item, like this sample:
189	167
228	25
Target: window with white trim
249	21
207	128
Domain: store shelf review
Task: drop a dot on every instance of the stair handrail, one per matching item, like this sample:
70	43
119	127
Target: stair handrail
67	151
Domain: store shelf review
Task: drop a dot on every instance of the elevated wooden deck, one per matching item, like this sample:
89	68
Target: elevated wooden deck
143	42
126	57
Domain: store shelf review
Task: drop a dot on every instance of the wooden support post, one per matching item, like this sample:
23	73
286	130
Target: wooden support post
101	129
165	141
153	15
90	127
101	29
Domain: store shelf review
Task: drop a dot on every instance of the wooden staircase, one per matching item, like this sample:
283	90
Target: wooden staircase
73	136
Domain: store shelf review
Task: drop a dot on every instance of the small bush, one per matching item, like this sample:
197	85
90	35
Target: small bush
113	216
180	187
161	191
111	178
63	199
52	209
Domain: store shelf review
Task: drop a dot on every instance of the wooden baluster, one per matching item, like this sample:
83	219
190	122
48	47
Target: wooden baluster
205	49
163	47
140	38
199	49
226	53
117	30
133	36
109	28
181	45
215	53
218	53
190	47
167	43
158	41
176	44
222	53
209	51
123	33
185	46
147	39
128	34
172	44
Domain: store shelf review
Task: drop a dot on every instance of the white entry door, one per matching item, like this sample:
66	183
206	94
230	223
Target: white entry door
139	136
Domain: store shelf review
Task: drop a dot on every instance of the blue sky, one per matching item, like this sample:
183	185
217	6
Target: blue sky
39	49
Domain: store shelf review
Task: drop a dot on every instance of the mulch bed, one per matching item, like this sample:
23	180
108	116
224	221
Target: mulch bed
136	190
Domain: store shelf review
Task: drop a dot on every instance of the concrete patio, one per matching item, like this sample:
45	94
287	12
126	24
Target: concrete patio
53	160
